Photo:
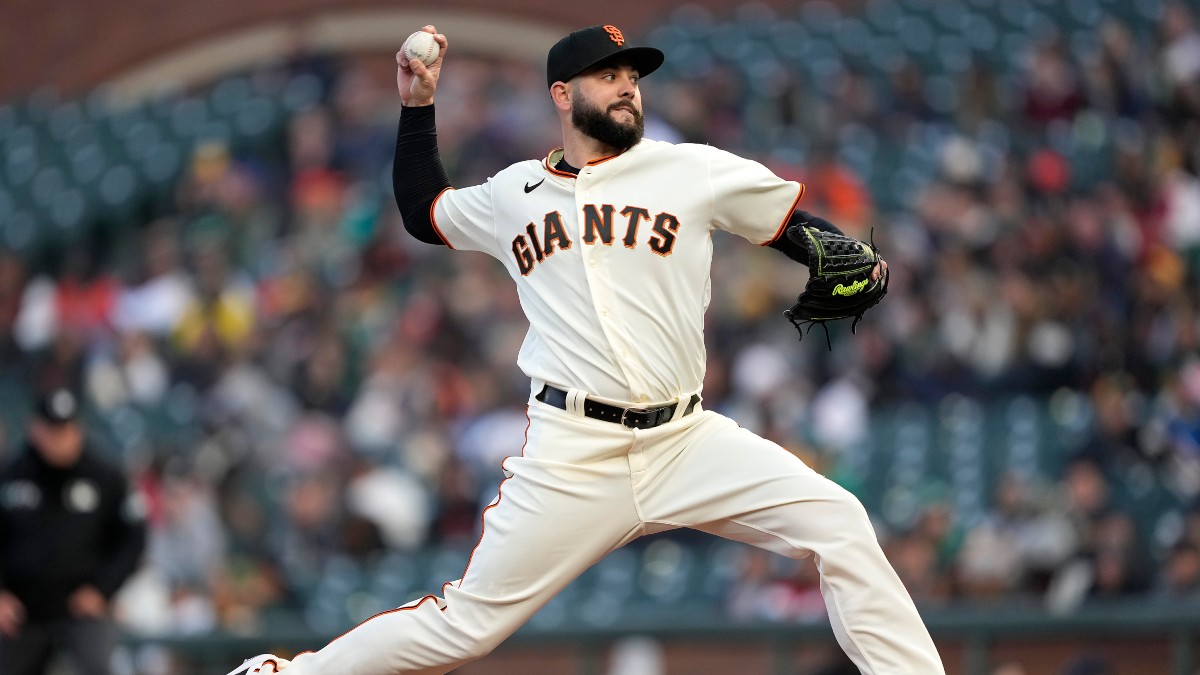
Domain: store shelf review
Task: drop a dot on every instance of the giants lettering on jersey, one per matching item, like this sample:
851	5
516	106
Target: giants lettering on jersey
598	227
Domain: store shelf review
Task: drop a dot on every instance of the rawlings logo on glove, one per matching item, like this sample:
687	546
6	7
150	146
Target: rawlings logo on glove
851	289
839	282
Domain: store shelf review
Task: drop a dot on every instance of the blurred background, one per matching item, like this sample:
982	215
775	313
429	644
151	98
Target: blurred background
197	231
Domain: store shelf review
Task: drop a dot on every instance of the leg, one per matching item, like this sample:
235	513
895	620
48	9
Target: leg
90	644
567	502
29	652
727	481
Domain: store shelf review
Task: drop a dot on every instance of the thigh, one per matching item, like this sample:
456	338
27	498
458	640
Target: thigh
28	653
89	643
566	502
728	481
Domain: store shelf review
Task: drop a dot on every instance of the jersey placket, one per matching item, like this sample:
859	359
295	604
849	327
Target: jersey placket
602	275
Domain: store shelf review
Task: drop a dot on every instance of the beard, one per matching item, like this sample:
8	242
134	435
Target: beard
600	125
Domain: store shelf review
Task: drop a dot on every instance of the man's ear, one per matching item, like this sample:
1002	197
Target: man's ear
560	93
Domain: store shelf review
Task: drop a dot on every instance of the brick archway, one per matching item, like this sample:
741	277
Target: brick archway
74	46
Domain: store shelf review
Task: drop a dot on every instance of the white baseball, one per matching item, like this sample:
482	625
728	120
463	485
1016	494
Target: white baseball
420	46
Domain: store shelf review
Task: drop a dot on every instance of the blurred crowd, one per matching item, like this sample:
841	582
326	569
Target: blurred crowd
336	390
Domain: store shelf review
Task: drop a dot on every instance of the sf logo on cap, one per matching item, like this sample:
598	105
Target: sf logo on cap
614	34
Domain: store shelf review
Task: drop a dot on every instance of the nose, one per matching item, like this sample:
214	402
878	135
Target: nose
628	88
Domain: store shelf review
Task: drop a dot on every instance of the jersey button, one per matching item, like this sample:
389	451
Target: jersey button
593	263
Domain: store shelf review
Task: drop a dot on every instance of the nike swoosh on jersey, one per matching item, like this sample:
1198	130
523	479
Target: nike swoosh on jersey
530	188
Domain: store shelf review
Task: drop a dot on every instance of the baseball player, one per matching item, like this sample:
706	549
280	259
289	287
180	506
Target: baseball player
609	240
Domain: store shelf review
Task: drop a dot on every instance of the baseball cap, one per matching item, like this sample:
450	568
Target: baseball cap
589	46
58	406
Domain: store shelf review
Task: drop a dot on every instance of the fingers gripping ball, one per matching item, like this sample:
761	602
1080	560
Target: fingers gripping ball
839	281
420	46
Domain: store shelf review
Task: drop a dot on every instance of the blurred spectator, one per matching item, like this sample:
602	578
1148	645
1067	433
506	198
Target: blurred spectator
85	295
159	290
1116	84
1016	549
1180	578
393	502
1054	90
71	533
12	286
832	188
1180	62
768	587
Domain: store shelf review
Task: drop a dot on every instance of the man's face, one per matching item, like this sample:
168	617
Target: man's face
606	104
59	445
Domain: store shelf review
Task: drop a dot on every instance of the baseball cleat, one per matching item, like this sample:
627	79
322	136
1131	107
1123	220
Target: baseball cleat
252	664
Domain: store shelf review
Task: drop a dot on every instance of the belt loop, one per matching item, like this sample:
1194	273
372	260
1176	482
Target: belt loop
575	399
681	402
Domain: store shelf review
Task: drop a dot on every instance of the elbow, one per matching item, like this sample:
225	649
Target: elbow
420	226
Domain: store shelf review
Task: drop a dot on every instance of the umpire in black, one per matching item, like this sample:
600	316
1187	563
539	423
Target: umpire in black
71	532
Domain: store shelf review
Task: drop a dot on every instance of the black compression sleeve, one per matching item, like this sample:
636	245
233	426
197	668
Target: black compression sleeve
799	218
418	176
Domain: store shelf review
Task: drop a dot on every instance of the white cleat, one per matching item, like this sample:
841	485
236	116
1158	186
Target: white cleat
254	663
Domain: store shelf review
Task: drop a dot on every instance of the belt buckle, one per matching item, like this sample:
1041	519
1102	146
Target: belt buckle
636	411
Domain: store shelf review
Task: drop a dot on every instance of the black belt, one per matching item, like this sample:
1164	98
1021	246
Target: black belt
634	418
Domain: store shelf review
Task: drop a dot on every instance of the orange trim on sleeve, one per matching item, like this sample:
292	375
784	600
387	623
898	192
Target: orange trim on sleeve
433	219
786	217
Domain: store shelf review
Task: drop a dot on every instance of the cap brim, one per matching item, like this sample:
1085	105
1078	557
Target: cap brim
645	59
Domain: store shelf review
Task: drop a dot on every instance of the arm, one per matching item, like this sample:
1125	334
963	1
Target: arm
127	532
418	176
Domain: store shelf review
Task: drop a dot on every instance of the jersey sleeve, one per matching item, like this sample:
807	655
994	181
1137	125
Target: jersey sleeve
465	219
748	199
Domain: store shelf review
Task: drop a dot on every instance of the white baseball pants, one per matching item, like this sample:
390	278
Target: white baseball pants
583	488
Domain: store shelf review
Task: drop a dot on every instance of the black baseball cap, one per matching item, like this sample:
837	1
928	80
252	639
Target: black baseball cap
587	47
58	406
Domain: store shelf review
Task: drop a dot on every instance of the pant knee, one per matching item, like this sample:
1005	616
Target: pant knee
848	508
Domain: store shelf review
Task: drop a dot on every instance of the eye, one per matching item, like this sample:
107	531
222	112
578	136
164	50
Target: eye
608	76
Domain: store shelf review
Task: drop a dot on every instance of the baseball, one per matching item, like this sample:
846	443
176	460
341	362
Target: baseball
420	46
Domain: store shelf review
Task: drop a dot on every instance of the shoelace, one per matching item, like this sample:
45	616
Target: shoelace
251	663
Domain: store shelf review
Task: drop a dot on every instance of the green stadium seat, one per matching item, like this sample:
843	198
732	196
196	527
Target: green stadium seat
883	15
853	37
301	92
21	231
820	17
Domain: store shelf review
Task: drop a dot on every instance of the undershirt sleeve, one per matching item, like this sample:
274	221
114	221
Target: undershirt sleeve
418	175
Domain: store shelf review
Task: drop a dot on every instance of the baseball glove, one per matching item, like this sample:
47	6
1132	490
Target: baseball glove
839	282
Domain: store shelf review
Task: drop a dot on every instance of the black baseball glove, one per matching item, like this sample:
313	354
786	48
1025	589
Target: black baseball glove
839	282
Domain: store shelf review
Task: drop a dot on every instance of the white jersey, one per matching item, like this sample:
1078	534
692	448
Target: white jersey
612	266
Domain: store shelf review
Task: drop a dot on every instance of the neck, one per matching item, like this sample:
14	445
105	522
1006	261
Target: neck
579	149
